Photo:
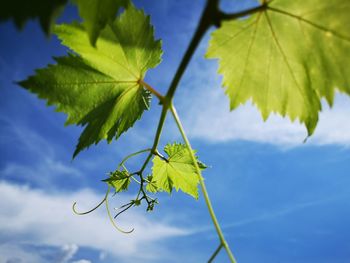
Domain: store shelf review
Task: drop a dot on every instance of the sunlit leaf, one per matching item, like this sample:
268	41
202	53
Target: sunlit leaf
119	180
176	171
100	88
286	58
97	13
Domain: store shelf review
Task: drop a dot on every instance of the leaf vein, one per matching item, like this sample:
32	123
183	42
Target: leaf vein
322	28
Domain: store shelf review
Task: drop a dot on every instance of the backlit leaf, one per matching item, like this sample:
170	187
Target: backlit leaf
287	57
119	180
177	171
23	10
97	13
100	88
151	185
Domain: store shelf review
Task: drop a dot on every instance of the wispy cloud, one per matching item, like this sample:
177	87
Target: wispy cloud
270	215
11	252
35	217
44	163
273	214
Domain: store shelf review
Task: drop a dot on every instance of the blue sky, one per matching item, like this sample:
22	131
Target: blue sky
278	200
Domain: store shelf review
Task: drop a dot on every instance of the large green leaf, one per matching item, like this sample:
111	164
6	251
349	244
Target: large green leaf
287	57
100	88
97	13
177	171
22	10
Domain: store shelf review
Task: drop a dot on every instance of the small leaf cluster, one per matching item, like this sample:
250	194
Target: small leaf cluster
176	171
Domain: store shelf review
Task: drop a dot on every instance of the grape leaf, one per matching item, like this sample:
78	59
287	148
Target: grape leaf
151	185
22	10
100	88
97	13
177	171
120	180
286	58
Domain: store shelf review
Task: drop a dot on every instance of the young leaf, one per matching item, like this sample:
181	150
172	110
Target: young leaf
120	180
176	172
97	13
22	10
286	57
100	88
151	185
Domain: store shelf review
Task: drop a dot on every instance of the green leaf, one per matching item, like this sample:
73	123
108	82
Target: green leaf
97	13
151	185
177	171
22	10
100	88
120	180
286	58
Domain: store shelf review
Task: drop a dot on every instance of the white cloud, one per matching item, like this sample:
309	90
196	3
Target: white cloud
25	253
67	253
207	116
36	217
40	173
11	253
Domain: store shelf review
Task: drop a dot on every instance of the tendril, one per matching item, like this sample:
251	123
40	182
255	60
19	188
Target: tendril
124	208
132	155
137	181
89	211
111	218
124	167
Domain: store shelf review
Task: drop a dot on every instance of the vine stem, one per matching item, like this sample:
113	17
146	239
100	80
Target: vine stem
157	137
211	16
203	187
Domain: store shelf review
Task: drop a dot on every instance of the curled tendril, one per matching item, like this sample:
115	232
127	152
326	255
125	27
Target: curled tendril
89	211
104	200
112	219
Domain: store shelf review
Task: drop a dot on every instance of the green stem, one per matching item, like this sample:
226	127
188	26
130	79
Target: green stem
157	137
202	184
208	18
